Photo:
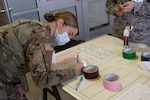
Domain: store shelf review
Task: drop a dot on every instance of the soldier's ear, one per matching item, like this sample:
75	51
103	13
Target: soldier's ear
60	22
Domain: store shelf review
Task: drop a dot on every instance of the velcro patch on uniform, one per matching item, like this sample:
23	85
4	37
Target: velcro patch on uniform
48	47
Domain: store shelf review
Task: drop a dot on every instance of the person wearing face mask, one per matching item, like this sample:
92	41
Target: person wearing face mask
27	46
136	14
61	34
61	39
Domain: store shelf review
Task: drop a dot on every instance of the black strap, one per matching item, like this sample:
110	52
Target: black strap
53	92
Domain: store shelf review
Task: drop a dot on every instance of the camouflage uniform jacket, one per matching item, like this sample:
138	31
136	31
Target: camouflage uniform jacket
139	18
22	46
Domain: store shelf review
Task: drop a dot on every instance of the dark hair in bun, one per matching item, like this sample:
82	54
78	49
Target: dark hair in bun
49	17
68	17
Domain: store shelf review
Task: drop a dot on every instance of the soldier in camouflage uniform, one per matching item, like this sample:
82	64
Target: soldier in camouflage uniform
27	44
134	13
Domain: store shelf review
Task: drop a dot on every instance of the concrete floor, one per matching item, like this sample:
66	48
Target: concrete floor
35	93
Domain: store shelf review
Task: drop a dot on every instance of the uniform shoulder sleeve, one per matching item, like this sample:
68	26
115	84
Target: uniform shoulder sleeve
39	53
110	6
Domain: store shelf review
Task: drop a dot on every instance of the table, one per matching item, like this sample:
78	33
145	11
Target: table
106	53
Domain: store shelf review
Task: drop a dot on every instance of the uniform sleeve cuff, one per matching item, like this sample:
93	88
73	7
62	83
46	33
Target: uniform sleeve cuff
15	83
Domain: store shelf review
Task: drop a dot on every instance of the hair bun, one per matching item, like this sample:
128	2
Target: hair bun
49	17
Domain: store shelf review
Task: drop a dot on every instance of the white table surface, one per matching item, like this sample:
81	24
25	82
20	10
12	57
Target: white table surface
106	53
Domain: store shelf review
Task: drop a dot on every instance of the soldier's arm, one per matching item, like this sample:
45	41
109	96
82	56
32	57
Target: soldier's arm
40	65
110	6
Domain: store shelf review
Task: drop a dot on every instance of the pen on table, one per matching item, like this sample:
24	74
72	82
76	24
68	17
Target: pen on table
78	85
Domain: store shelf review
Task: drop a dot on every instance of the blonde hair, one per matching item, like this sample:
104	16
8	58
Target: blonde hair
68	17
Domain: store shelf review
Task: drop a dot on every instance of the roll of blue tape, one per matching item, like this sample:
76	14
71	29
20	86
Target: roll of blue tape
145	56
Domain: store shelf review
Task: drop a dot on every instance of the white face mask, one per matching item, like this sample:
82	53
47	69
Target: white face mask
61	39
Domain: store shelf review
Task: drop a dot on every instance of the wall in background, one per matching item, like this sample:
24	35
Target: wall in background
92	18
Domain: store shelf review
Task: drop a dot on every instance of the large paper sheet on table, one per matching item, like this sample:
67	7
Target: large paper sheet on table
106	53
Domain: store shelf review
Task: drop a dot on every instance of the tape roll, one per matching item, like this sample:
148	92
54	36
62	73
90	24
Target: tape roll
91	72
129	53
112	82
145	56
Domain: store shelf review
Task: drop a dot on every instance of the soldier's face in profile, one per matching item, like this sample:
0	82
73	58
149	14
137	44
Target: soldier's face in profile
72	32
64	34
61	28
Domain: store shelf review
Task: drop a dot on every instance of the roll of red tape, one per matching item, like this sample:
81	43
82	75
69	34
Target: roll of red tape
91	72
112	82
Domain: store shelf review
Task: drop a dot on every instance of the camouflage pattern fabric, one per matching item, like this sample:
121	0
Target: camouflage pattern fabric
139	18
22	50
8	93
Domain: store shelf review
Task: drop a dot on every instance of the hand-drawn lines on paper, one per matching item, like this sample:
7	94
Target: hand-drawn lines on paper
69	59
136	92
98	52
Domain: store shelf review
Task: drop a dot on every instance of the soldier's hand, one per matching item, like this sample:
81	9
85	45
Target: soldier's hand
118	10
20	92
78	67
128	6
